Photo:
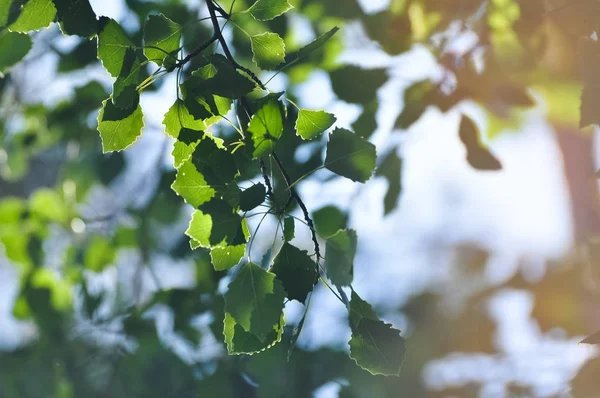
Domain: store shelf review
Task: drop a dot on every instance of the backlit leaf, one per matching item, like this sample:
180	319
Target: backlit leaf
266	127
264	10
309	48
113	44
226	257
178	117
375	346
35	15
216	224
239	341
328	220
311	124
268	50
350	156
191	185
161	39
119	128
13	47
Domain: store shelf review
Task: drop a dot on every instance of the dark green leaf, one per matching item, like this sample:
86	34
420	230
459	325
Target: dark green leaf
375	346
288	228
391	169
125	94
350	156
254	300
77	17
217	165
239	341
268	50
328	220
161	39
113	45
311	124
264	10
119	128
366	124
339	256
13	47
309	48
296	271
178	117
414	104
266	127
356	85
478	156
226	82
252	197
35	15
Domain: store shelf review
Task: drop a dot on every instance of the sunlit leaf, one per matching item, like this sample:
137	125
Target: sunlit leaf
296	271
35	15
310	124
191	185
239	341
216	224
98	254
226	257
350	156
119	128
266	127
264	10
113	44
375	346
339	256
47	204
268	50
178	117
161	39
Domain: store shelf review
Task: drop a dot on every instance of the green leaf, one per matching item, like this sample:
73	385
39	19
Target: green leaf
239	341
217	165
309	48
356	85
288	228
479	157
13	47
113	44
339	256
350	156
366	124
226	82
178	117
252	197
391	169
266	127
161	39
254	300
11	210
296	271
268	50
191	185
328	220
264	10
98	254
125	94
77	17
375	346
226	257
415	102
182	152
311	124
35	15
216	224
119	128
47	204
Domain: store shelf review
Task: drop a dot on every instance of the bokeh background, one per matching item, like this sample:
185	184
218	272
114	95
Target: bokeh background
491	275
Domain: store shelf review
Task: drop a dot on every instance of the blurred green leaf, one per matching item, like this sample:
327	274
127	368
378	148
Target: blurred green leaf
288	228
350	156
13	47
339	256
98	254
328	220
356	85
48	204
479	157
309	48
391	169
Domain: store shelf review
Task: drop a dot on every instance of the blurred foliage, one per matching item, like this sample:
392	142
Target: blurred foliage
227	128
